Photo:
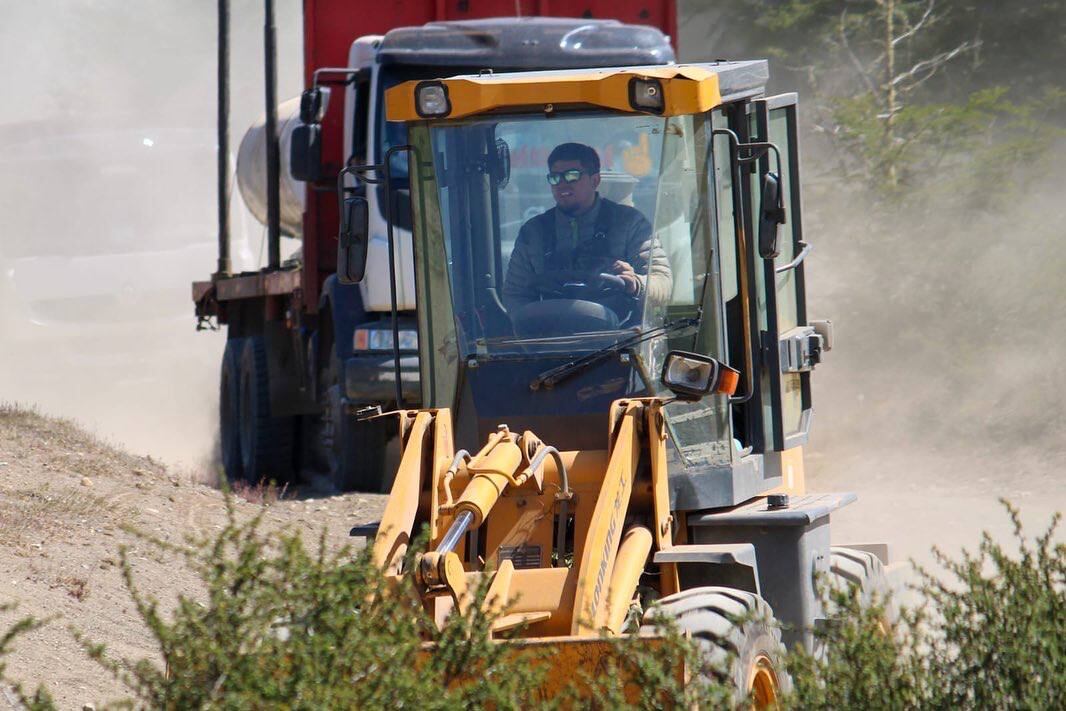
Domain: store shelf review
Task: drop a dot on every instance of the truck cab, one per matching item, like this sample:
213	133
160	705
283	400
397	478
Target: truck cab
306	355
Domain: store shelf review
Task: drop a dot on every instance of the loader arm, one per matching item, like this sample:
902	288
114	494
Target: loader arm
600	548
398	519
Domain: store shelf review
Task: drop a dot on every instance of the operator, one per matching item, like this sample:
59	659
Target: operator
584	234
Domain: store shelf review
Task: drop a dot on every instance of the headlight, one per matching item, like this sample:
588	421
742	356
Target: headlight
690	376
646	95
409	340
432	99
380	339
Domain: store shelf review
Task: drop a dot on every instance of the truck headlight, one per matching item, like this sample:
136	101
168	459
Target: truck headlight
380	339
431	98
646	95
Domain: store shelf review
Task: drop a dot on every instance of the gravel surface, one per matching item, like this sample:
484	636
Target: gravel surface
66	500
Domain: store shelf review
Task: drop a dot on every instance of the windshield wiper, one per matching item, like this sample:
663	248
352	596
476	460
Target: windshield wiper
550	377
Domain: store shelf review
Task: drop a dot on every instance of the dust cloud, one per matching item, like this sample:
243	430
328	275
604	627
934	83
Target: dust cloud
941	394
943	391
107	201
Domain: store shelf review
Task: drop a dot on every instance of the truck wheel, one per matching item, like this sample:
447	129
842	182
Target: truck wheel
229	396
736	632
853	567
266	441
353	451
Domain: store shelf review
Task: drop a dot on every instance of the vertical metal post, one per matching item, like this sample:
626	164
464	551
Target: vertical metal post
387	169
273	162
224	265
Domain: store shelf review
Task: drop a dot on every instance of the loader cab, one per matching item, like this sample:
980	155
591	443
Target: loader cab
695	169
378	63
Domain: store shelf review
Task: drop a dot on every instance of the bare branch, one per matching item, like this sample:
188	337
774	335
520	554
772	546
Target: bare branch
933	63
914	29
870	86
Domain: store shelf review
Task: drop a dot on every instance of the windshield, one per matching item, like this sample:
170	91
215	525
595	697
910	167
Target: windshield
543	241
570	234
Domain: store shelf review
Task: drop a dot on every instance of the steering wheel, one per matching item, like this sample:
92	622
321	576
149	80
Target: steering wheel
586	286
572	302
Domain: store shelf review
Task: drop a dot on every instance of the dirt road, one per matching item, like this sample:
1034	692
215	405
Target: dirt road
65	502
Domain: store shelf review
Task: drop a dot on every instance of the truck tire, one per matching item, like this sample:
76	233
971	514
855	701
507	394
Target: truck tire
266	441
229	396
864	570
736	631
353	451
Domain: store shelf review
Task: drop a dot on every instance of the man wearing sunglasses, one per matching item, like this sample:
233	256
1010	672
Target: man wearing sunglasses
582	238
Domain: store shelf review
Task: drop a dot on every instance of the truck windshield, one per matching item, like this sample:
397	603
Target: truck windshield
569	234
394	133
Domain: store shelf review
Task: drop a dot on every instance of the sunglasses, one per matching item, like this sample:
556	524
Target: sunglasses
567	176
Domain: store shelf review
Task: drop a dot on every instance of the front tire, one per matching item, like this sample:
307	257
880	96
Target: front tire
736	631
266	442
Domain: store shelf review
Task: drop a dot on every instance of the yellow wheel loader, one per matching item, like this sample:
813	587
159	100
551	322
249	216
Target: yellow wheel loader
618	393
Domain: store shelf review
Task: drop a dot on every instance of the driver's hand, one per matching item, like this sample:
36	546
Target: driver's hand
625	270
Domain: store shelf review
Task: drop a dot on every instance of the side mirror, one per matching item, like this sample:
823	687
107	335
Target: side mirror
690	376
353	240
313	104
305	152
501	164
771	216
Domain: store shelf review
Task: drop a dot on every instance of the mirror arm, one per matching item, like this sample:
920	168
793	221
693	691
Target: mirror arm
360	172
806	248
758	150
350	75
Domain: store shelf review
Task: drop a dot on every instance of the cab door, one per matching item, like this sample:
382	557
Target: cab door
790	347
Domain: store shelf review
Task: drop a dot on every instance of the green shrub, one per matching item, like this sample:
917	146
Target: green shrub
40	700
1001	624
284	627
990	635
281	626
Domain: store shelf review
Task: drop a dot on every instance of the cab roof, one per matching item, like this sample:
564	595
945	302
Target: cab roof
686	88
526	43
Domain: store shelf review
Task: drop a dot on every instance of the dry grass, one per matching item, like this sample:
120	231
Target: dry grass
43	512
63	444
75	586
29	419
262	493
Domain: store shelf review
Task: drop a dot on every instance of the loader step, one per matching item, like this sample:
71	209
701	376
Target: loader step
801	511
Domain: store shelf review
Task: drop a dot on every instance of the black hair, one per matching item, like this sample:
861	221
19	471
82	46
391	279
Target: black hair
586	155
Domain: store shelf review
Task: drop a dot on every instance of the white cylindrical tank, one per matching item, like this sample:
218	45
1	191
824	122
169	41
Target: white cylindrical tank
252	170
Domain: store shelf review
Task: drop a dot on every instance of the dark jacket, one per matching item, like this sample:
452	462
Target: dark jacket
621	233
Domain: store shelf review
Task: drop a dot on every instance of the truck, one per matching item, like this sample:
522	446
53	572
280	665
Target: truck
307	357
